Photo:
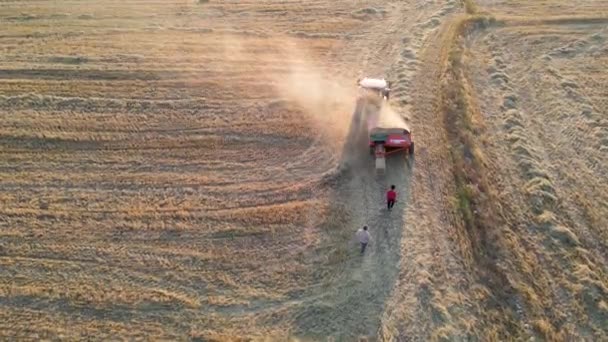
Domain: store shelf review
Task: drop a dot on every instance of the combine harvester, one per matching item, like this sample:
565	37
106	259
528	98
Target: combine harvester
387	135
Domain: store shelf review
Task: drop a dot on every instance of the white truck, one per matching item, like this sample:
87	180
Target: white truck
377	86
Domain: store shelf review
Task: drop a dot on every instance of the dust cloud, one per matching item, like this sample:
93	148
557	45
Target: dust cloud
327	101
390	118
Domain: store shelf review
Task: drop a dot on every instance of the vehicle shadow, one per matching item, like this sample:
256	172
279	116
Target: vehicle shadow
353	290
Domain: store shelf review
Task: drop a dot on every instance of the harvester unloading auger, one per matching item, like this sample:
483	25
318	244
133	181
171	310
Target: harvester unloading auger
386	137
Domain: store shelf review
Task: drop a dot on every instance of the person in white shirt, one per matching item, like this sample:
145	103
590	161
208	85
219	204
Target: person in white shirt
363	237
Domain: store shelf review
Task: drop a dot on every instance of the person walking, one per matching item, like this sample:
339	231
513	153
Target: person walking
386	92
364	237
391	197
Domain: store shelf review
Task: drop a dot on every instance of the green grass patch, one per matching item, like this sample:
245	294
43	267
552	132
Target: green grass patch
466	155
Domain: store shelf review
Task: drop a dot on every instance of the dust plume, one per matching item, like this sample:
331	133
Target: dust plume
326	100
390	118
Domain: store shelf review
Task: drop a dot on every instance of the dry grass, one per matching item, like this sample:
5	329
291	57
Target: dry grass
170	171
462	120
539	9
484	99
470	7
152	170
486	244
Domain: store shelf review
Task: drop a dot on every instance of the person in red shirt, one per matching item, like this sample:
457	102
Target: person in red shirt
391	197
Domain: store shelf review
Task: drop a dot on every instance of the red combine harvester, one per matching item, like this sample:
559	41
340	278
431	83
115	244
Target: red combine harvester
386	141
386	137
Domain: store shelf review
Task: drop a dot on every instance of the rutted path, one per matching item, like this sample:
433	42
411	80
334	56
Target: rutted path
427	297
353	305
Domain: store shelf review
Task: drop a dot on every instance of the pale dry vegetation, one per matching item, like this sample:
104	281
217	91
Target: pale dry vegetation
189	170
526	100
154	180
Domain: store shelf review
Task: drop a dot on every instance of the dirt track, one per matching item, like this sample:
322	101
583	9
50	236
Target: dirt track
184	170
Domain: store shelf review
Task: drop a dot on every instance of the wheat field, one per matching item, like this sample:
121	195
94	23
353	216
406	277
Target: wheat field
540	92
196	170
533	74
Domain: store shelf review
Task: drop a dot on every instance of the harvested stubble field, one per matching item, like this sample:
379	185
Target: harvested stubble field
185	170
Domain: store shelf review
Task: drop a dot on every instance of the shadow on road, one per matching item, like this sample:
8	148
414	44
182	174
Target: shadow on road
351	299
